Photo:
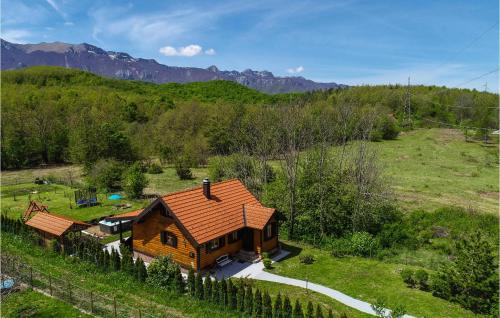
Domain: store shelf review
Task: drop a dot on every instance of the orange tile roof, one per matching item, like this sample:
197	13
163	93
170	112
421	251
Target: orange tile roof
206	219
54	224
126	215
256	216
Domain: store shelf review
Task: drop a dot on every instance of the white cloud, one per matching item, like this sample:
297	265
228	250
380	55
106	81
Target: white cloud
15	35
295	70
55	6
69	23
210	52
188	51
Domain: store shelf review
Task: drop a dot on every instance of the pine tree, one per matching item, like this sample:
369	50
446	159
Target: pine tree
267	306
249	300
319	312
191	282
116	261
141	271
106	260
215	291
310	310
231	295
330	313
278	307
297	310
178	281
208	288
198	286
241	297
223	292
257	304
287	307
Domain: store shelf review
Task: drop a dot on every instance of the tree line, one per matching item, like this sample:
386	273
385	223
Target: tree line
56	115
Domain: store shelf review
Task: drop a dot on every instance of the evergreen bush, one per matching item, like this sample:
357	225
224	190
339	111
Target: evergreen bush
257	304
297	309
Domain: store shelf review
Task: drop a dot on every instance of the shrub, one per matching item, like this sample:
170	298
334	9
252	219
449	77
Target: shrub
422	279
134	181
249	300
141	271
278	307
241	297
341	247
54	246
191	282
297	310
231	295
319	312
363	244
183	171
287	307
198	286
162	271
267	307
389	127
257	304
179	286
154	168
267	263
106	175
408	276
310	310
306	259
208	288
223	292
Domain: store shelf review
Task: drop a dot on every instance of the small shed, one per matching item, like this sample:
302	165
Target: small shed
51	226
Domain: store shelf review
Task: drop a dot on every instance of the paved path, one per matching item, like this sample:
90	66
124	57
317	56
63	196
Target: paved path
256	271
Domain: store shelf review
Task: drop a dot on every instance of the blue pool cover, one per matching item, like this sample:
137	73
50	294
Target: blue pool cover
115	196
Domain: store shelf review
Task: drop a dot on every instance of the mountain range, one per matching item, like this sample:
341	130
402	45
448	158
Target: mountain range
123	66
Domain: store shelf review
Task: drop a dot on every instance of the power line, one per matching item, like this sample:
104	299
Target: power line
467	46
476	78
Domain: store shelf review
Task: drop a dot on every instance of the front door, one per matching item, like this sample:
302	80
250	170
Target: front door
247	237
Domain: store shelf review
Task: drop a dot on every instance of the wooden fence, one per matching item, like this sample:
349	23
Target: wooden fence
92	302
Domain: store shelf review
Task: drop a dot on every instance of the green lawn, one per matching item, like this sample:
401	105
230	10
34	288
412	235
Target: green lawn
168	181
60	200
28	303
431	168
365	279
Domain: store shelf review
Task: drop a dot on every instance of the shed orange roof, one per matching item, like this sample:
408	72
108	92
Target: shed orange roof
126	215
53	224
206	219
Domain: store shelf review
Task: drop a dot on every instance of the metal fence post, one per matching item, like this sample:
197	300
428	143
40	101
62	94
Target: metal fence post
69	291
91	302
114	307
50	285
31	277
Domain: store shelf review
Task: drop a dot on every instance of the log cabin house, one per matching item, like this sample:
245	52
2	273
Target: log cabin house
198	225
51	226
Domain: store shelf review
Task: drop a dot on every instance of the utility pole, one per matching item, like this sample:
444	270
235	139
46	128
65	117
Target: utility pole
485	86
407	106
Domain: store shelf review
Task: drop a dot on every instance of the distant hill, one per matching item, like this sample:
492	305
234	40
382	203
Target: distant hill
123	66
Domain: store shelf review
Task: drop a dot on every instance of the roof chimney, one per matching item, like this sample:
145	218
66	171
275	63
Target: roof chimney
206	188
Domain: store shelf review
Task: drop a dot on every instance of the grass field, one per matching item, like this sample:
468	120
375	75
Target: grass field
365	279
28	303
427	169
431	168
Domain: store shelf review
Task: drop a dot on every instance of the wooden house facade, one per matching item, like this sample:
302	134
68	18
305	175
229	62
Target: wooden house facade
199	225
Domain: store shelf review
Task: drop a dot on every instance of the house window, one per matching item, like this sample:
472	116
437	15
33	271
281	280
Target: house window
269	231
164	212
169	238
191	254
233	237
215	244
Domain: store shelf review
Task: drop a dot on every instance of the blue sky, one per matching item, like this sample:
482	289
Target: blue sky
352	42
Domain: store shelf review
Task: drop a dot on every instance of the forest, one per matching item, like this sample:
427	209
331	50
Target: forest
56	115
